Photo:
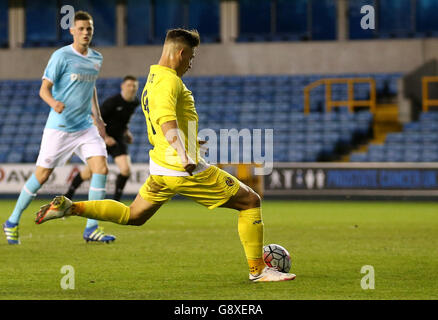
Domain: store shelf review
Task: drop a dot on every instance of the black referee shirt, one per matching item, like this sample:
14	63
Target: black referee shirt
116	113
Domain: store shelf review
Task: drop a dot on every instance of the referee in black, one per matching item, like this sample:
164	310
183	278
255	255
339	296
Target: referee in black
116	113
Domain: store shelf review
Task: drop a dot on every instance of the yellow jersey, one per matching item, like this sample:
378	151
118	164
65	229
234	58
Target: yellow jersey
166	98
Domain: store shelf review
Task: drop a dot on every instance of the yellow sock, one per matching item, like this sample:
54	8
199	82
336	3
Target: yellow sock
250	227
106	210
256	266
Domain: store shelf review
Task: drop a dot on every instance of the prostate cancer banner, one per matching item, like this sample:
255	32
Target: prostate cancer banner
392	179
14	176
286	179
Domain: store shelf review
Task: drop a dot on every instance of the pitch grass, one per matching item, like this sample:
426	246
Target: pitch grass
188	252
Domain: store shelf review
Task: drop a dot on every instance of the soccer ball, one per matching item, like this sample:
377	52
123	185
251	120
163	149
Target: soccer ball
278	257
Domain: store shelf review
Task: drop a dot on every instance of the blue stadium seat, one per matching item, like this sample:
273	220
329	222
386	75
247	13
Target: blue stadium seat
429	116
298	137
37	131
413	137
4	148
376	153
314	117
12	119
30	157
313	137
14	157
413	148
296	156
363	116
429	156
330	117
411	156
8	129
412	127
331	138
24	129
395	138
297	117
314	127
75	159
332	126
345	116
376	148
284	138
430	138
393	156
248	118
394	148
428	127
376	157
297	127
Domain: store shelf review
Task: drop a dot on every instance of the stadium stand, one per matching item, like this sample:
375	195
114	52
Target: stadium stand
259	20
223	102
226	102
415	143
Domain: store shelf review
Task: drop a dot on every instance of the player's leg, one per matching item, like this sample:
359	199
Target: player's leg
27	194
135	214
123	162
150	198
141	210
216	188
92	150
250	225
250	229
109	210
83	175
99	171
53	152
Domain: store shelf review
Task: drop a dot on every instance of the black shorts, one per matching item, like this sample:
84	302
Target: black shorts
120	148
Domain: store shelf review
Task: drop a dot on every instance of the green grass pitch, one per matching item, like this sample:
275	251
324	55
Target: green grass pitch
188	252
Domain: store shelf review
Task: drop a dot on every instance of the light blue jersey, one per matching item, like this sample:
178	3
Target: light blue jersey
74	77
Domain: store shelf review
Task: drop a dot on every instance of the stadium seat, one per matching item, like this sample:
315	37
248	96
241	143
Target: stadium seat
410	156
394	138
296	156
393	156
429	156
413	138
14	157
412	127
431	116
4	148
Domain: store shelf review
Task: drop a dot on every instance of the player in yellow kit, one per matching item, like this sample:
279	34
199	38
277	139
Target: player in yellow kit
176	166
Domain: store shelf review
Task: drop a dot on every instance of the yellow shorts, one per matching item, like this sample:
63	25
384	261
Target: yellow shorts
212	187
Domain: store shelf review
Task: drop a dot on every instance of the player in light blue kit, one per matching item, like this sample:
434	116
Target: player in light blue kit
68	87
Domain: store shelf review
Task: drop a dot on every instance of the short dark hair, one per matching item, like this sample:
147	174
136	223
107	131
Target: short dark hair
188	37
129	77
82	15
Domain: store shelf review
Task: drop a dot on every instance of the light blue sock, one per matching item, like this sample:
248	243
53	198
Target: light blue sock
97	192
27	194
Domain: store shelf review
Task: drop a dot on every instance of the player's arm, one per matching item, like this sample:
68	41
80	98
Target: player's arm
97	117
46	95
171	132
